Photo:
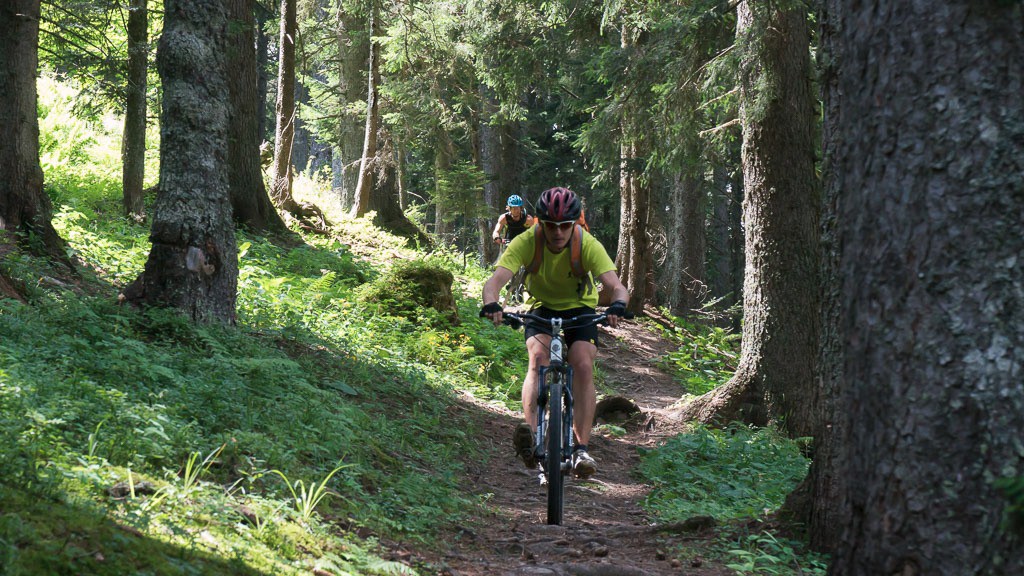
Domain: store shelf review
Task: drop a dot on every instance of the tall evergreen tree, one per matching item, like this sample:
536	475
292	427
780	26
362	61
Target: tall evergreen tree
775	377
353	58
365	181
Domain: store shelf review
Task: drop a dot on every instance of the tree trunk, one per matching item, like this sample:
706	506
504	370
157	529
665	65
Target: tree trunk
133	141
929	229
364	184
503	166
634	251
193	265
818	502
384	199
25	209
251	204
444	150
775	377
689	237
284	135
262	76
726	240
354	51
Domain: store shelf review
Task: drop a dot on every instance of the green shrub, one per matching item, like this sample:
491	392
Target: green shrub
734	473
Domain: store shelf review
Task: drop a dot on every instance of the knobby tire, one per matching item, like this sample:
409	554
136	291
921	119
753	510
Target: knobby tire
553	459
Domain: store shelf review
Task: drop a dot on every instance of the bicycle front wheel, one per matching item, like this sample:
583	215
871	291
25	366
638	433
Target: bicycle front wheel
553	459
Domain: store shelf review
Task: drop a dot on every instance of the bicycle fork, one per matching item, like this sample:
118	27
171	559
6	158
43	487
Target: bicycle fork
543	397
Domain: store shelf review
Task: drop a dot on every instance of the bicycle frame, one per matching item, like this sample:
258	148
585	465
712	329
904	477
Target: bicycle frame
555	399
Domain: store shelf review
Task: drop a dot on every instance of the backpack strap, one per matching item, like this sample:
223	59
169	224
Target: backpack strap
538	249
575	251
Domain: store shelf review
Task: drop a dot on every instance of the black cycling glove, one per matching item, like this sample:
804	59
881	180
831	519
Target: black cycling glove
618	308
490	309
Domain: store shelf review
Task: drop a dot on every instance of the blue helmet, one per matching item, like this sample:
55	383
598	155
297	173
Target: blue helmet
515	200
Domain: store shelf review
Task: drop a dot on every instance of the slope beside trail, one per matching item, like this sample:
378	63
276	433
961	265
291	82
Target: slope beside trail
605	531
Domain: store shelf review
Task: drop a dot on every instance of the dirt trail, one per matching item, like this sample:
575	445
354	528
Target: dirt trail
605	531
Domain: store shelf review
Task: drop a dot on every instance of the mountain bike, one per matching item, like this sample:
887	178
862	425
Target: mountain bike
553	440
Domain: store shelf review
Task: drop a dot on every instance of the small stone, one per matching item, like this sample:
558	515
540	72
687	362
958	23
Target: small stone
697	562
675	563
660	555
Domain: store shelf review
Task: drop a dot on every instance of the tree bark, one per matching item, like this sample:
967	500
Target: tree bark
193	265
354	53
284	134
262	76
775	376
688	242
25	209
444	151
133	142
364	184
250	201
818	502
384	199
633	255
929	158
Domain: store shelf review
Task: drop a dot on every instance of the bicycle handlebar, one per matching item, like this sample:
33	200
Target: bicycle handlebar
516	319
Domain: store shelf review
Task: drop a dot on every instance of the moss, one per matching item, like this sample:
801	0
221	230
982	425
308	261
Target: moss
411	286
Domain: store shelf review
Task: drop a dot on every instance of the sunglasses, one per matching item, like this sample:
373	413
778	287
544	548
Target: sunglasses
565	225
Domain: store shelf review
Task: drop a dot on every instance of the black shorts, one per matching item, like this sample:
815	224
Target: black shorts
586	333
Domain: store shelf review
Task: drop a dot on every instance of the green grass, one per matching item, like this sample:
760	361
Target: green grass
736	475
261	448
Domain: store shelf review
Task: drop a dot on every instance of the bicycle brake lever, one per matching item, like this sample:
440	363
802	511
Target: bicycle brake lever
513	323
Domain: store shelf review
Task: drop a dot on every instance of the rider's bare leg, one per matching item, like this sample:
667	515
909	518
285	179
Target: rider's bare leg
584	398
537	348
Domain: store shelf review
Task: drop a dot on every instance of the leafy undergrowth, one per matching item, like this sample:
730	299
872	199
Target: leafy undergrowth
138	442
737	476
706	356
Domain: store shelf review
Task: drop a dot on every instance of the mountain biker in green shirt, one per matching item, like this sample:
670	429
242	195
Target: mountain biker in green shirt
555	291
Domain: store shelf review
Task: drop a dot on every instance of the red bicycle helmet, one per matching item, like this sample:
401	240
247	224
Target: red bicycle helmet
558	205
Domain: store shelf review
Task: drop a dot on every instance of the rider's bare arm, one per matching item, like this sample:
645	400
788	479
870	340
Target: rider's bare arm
610	281
496	234
492	288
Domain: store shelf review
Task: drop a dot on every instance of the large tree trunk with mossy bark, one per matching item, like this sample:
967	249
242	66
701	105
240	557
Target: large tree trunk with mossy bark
193	265
25	209
774	381
929	153
818	503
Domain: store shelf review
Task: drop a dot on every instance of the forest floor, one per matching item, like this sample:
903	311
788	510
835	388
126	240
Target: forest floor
605	531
